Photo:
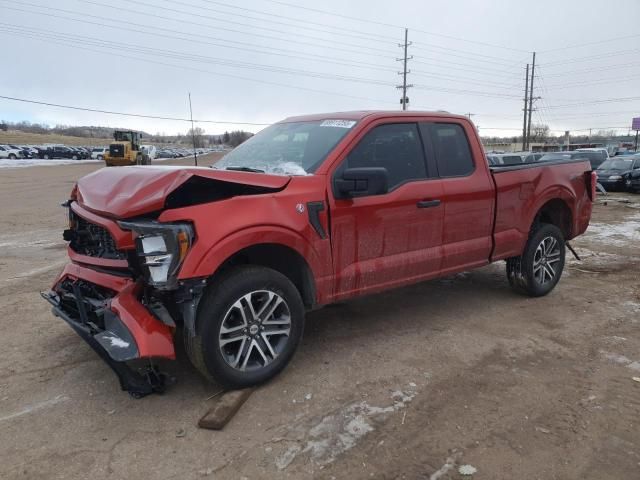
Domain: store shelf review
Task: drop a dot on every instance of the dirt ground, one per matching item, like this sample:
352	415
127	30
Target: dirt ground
413	383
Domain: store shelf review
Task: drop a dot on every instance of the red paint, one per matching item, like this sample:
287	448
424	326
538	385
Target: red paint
374	243
153	338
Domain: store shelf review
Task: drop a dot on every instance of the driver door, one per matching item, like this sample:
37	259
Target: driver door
385	240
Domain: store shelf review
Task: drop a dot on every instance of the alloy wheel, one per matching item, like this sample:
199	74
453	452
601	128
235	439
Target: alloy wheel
255	330
545	260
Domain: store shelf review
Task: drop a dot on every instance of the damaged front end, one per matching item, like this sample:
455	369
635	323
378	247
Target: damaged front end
120	293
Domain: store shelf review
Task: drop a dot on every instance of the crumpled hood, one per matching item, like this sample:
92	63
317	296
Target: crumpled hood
123	192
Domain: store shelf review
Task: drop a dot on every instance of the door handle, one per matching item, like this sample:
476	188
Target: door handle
428	203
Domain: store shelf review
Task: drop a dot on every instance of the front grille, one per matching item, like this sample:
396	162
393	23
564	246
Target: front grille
87	238
116	150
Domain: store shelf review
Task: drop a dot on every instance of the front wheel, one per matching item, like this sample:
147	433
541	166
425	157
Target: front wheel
249	325
12	156
75	157
100	157
46	157
537	271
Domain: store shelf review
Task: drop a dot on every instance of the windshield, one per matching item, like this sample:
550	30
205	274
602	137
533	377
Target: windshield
616	164
296	148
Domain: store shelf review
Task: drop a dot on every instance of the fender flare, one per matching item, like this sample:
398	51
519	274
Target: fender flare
556	192
221	251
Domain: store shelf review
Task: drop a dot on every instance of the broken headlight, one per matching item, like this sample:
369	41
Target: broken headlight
161	247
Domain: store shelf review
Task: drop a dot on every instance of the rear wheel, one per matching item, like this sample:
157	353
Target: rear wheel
12	156
248	327
537	271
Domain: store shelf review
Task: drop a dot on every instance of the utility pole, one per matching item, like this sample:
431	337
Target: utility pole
526	98
533	74
469	115
404	100
193	133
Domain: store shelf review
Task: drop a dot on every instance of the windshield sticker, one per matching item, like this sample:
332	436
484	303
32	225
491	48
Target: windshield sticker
338	123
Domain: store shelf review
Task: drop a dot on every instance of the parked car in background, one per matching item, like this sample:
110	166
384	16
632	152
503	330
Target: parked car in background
595	155
614	173
26	152
557	156
512	158
57	151
494	160
632	183
6	151
98	153
150	150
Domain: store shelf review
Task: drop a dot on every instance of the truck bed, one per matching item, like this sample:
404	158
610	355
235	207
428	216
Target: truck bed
523	189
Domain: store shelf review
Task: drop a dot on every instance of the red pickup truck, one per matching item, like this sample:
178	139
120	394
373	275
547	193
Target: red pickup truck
310	211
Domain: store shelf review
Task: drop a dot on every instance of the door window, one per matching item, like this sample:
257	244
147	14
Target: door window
453	154
396	147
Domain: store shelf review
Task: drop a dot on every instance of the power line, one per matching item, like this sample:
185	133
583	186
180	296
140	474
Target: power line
587	58
126	114
592	102
373	22
228	75
253	34
260	49
579	45
173	20
340	32
598	69
189	57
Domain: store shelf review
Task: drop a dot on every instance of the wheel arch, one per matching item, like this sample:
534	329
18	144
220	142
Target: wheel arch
555	211
280	258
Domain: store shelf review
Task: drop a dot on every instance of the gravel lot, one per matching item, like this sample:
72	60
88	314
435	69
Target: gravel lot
411	384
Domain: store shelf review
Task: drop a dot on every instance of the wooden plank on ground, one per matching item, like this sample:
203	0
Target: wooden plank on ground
225	407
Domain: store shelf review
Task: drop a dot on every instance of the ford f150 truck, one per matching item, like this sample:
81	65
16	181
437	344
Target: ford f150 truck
310	211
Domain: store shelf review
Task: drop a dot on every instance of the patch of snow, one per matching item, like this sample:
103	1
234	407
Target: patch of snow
618	234
36	162
467	470
338	432
287	457
449	464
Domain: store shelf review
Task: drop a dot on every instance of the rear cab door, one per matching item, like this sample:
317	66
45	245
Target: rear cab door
468	193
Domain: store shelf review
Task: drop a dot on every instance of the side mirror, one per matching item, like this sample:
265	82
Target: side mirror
359	182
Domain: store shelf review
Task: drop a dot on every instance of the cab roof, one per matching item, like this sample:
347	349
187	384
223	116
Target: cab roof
370	114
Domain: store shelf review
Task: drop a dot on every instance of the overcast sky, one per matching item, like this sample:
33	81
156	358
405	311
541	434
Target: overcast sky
259	61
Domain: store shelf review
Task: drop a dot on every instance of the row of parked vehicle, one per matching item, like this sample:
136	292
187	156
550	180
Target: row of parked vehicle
618	173
47	152
16	152
183	152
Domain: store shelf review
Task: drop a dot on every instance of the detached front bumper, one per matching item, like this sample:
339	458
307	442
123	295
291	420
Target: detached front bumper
105	310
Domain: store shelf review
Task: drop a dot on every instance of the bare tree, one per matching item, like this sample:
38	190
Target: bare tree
539	133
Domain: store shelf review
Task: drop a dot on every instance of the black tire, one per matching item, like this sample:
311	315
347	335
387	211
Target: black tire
218	302
529	275
100	157
46	157
74	157
12	156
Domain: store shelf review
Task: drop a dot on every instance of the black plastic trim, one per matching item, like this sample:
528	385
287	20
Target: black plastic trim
314	209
